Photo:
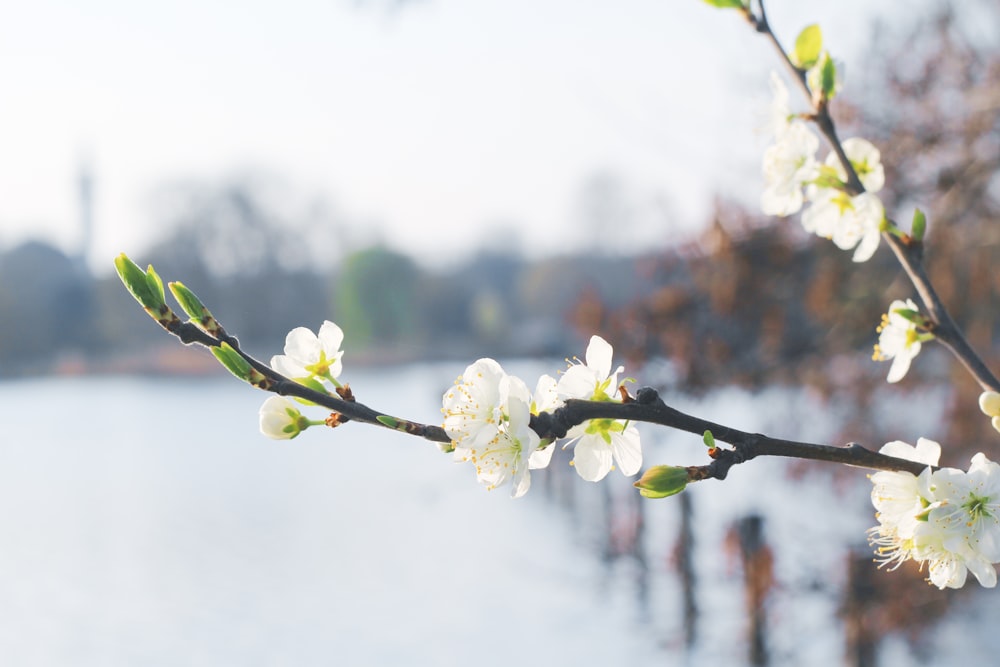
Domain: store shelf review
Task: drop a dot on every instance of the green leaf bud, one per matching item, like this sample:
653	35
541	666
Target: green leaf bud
808	46
195	309
662	481
189	302
828	78
144	286
726	4
235	363
386	420
155	284
919	225
709	440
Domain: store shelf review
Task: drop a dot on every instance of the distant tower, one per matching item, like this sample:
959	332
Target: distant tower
85	184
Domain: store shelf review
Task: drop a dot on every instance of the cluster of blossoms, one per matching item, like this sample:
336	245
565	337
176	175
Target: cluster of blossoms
947	519
309	358
487	415
790	166
794	176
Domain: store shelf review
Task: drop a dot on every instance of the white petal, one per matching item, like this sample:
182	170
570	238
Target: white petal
330	337
900	364
947	572
546	396
540	458
927	451
577	382
868	246
592	458
521	483
599	354
983	571
288	367
627	450
302	345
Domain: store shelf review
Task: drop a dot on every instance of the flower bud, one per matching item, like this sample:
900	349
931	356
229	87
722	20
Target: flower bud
280	419
989	403
662	481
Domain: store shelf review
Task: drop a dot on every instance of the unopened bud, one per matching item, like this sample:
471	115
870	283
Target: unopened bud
989	403
662	481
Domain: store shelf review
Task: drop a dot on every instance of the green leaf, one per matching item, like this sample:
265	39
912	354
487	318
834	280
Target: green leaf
313	384
139	283
155	284
391	422
709	439
233	362
662	481
189	302
911	315
726	4
828	78
919	225
808	46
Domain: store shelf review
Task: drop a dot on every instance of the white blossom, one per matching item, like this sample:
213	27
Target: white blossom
898	340
788	165
850	222
969	512
599	443
790	162
866	160
506	456
281	419
946	519
310	355
473	407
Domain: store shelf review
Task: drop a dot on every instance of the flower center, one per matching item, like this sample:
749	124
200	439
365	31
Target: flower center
321	367
977	507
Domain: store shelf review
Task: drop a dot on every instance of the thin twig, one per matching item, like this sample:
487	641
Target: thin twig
908	251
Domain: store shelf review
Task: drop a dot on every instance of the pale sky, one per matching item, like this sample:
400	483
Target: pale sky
428	127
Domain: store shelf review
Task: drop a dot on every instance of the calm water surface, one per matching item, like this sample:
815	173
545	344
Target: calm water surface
147	522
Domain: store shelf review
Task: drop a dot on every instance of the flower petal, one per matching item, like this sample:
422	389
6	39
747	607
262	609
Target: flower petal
592	458
599	353
627	450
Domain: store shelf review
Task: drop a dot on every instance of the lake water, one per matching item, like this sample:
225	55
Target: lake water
147	522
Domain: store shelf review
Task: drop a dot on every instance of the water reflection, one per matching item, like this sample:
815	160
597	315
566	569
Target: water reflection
147	522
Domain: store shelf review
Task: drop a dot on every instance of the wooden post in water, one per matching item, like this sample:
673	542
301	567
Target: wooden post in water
684	558
860	633
758	579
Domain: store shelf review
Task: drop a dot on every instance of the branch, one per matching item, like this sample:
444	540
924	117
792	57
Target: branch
648	407
908	251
